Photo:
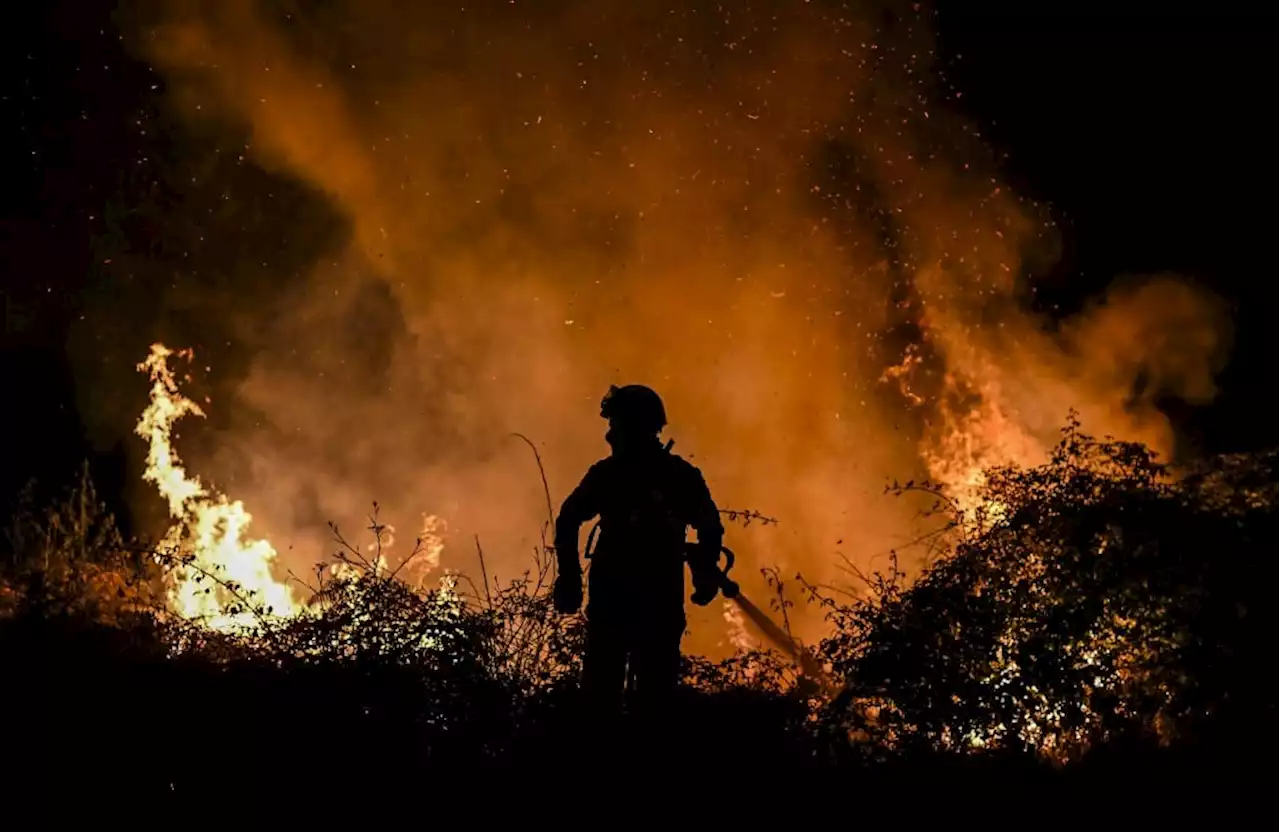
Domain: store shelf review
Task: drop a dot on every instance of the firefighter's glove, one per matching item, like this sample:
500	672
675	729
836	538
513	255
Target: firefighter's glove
706	585
567	592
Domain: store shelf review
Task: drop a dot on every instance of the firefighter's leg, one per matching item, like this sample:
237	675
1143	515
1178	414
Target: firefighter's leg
604	666
656	658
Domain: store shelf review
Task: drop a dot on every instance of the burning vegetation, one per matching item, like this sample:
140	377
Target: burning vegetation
1098	599
775	214
222	567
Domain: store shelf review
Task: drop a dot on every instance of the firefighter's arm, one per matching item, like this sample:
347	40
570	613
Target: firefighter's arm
579	507
704	557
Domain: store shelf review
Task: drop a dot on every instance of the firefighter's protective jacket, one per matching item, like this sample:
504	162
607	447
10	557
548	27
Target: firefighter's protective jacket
646	500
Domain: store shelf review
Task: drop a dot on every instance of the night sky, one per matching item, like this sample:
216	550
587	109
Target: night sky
1147	134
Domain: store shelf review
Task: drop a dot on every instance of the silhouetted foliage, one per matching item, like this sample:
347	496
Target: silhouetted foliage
1093	598
70	559
1098	604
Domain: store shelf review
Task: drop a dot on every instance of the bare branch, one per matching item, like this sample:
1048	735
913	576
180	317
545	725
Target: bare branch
546	489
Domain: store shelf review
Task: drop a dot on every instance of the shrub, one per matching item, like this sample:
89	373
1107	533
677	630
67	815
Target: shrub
1098	600
1093	598
70	559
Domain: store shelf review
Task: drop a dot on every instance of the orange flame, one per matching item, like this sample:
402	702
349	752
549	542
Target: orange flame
227	574
972	440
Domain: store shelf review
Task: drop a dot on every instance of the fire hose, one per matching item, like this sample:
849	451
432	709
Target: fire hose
808	663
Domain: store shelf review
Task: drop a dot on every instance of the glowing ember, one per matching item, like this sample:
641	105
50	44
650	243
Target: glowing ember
228	573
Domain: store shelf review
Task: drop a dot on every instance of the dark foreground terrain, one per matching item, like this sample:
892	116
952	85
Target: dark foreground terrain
1101	652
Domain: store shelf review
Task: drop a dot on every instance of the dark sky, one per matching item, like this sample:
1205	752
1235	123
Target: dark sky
1148	127
1149	132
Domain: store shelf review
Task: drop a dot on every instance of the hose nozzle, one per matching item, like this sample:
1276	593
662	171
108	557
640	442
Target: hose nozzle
728	586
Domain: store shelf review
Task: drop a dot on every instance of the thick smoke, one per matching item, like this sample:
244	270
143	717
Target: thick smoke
756	208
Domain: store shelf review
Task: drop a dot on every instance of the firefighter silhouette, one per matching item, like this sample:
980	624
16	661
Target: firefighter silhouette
646	498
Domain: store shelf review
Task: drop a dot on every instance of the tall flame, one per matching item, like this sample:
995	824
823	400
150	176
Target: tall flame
974	438
228	573
975	429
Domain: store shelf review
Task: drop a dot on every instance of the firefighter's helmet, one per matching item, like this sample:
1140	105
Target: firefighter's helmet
634	407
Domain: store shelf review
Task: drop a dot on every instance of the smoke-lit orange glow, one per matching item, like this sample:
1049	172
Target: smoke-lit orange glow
210	530
769	212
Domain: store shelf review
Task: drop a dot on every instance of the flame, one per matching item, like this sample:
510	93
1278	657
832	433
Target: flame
424	560
227	574
226	580
974	429
975	438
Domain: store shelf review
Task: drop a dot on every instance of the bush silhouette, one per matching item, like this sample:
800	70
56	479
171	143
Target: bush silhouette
1099	606
1091	599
